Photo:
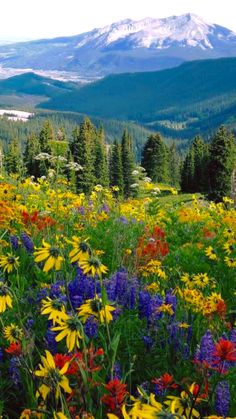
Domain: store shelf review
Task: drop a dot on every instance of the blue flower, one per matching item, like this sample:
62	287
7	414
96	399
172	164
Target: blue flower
222	398
27	242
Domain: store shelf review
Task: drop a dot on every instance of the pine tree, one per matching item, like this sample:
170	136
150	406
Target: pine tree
222	162
13	159
127	162
82	150
174	166
200	182
45	136
155	159
32	149
116	170
188	170
100	159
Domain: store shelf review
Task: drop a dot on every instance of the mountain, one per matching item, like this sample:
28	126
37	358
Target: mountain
125	46
33	84
180	102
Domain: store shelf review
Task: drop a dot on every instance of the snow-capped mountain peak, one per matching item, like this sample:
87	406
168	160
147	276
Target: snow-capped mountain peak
148	44
185	30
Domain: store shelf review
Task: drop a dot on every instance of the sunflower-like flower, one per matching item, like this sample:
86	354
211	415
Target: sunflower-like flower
53	377
13	333
51	256
69	327
210	252
5	298
230	262
80	251
95	307
183	405
9	262
92	266
55	309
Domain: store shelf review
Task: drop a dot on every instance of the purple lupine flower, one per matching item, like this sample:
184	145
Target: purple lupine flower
123	220
91	327
56	289
206	349
144	304
1	354
14	370
117	370
81	210
29	323
233	336
43	293
171	299
222	398
14	242
27	242
51	341
148	341
122	289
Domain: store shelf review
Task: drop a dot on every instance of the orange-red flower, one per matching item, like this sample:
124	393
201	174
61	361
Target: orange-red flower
14	349
115	399
165	381
224	351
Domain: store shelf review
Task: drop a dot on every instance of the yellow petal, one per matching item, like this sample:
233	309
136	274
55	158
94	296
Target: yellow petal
49	264
50	360
64	383
61	335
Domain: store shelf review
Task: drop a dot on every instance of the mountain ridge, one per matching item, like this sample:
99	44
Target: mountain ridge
148	44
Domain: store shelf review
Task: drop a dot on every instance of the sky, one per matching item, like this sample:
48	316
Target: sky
32	19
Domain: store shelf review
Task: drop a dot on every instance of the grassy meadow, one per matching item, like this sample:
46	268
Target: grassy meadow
113	308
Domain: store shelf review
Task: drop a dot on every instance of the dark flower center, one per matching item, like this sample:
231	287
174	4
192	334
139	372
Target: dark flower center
54	252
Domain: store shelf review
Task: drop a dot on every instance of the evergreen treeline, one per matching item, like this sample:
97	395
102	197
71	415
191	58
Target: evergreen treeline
87	160
209	168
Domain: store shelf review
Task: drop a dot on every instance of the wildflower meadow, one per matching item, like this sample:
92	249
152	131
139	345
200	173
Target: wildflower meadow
114	308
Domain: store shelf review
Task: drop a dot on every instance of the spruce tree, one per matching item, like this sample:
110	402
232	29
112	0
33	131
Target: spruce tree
155	159
188	170
45	136
32	149
200	182
127	162
222	162
116	170
174	166
13	159
100	159
82	150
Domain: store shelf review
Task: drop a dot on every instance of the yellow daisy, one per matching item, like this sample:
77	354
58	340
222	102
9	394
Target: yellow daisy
70	328
51	256
13	333
93	266
5	298
95	307
53	378
9	262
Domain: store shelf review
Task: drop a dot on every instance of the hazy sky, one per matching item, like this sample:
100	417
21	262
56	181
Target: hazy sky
29	19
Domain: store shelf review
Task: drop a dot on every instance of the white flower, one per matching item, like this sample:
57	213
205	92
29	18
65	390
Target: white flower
134	185
147	179
74	166
135	172
43	156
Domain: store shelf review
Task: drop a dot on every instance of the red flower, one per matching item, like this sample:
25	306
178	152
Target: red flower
61	360
14	349
165	381
221	308
225	351
117	392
